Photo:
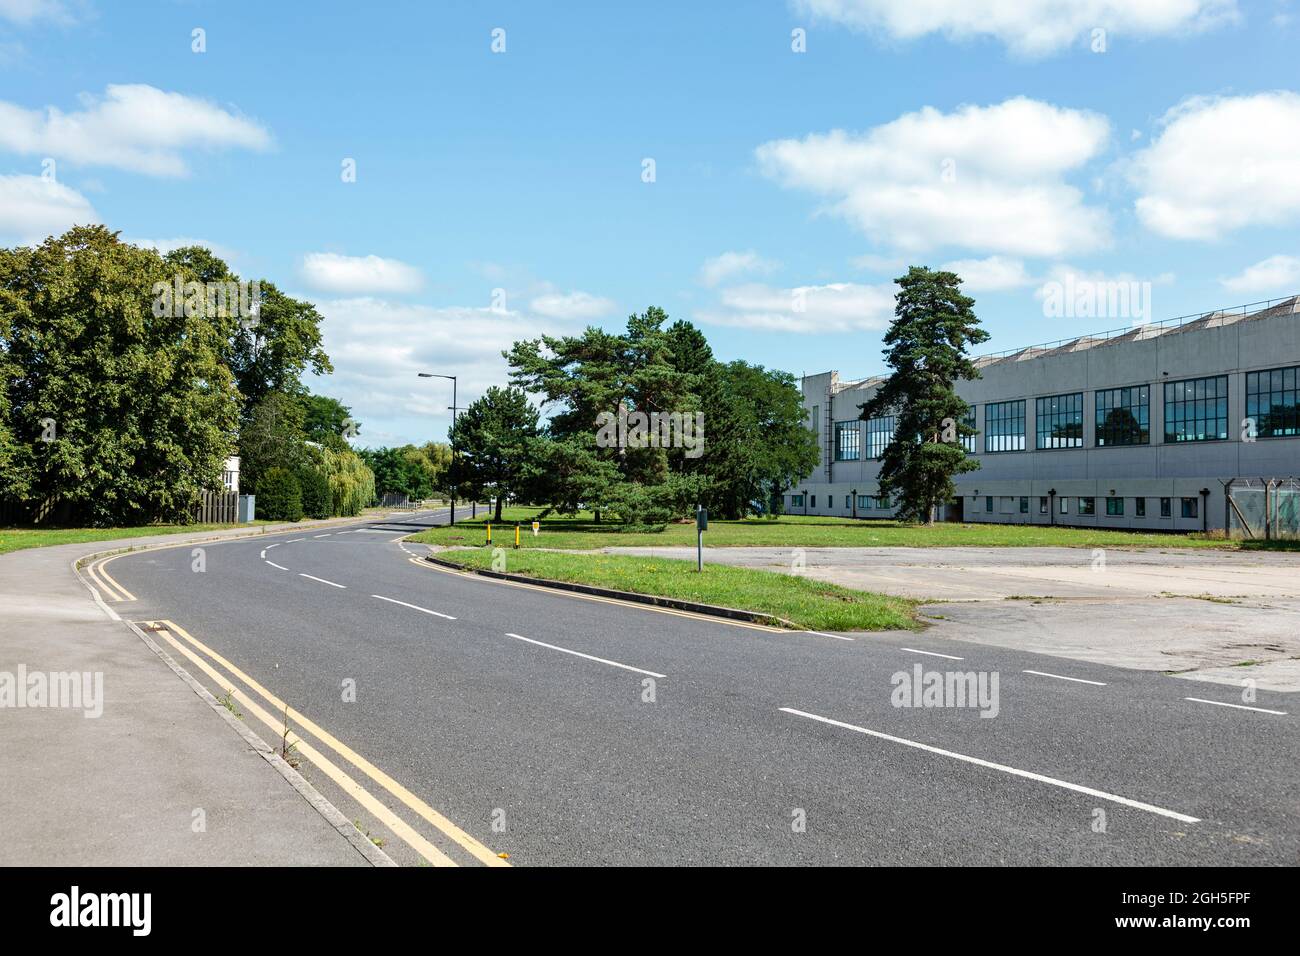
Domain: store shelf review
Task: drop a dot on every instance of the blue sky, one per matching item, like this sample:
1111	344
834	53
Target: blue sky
502	195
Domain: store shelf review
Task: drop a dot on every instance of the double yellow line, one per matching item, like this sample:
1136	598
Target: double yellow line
110	588
193	648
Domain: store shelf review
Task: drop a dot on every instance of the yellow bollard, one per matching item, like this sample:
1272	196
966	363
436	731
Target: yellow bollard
489	540
516	536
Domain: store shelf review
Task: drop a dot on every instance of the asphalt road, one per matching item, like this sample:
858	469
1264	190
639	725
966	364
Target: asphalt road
746	746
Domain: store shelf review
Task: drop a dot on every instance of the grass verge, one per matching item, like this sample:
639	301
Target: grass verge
17	539
807	603
580	532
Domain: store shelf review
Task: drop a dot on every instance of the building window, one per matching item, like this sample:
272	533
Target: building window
1115	507
816	423
1004	426
848	441
1123	416
864	502
1042	505
988	503
1190	508
1140	507
968	441
1065	506
1059	421
796	501
1166	508
1024	505
1197	409
813	502
1273	401
880	432
1087	506
848	501
883	503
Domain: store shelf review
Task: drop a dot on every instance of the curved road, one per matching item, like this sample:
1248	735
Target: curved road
458	718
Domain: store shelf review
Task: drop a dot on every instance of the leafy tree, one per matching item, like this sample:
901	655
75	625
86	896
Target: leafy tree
120	411
351	482
279	496
581	377
273	436
757	440
317	501
325	418
926	349
492	438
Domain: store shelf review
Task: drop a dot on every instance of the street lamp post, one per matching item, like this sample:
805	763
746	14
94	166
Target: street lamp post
454	409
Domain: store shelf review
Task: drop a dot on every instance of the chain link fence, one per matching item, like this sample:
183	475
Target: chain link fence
1263	509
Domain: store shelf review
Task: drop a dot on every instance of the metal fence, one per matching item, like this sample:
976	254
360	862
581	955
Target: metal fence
394	500
1262	509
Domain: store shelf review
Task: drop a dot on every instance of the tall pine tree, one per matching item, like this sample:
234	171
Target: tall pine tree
926	348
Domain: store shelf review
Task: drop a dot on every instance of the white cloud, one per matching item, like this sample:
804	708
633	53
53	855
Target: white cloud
133	127
30	11
1221	164
729	265
994	274
575	306
1274	274
837	307
989	179
32	208
378	347
359	275
1028	27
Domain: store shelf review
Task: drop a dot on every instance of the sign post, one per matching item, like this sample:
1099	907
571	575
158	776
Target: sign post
701	525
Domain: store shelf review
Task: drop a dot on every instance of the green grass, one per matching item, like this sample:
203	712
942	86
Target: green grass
17	539
804	602
579	532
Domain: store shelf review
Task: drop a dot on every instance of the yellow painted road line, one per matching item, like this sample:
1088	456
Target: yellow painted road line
107	577
108	590
472	846
635	605
331	770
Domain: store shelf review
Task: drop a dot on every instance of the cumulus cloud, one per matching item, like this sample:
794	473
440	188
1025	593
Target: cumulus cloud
378	346
33	207
994	274
1028	27
729	265
990	179
1220	164
359	275
1274	274
837	307
133	127
575	306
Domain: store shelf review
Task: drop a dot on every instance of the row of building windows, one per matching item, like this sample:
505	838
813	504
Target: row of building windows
865	502
1195	410
1188	507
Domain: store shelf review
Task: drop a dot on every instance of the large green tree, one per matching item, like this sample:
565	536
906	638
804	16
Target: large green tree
119	411
580	378
926	350
492	438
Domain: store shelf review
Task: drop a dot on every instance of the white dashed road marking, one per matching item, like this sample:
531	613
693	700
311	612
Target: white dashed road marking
413	607
1066	785
602	660
913	650
322	580
1219	703
1077	680
280	566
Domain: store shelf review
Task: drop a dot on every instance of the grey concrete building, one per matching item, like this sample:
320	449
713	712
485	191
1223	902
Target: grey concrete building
1137	428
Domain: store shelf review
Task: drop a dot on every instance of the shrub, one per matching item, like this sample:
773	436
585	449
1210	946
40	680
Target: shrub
279	496
317	500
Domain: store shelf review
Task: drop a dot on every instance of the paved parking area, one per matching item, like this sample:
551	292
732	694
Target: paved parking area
1220	616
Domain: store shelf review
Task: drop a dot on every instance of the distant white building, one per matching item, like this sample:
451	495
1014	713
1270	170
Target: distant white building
1141	428
230	475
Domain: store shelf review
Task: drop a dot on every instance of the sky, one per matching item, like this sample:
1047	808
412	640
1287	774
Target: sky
444	178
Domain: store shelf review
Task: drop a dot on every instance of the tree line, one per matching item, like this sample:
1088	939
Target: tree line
128	377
